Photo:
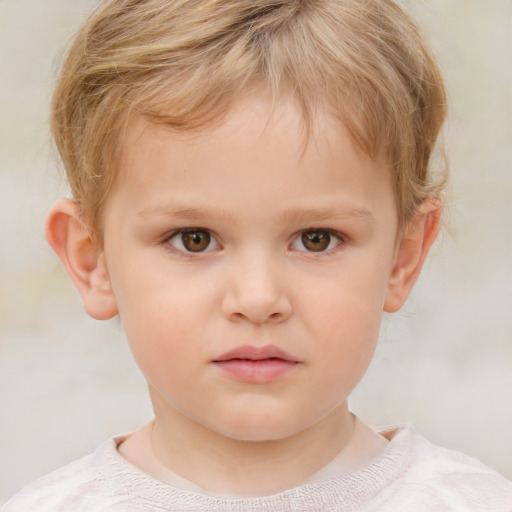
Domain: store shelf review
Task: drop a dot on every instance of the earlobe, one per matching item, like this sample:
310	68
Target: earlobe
83	260
418	238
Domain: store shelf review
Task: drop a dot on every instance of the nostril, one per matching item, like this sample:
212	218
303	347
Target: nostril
277	316
256	307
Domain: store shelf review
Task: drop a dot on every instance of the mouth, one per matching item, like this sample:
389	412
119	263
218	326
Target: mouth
257	365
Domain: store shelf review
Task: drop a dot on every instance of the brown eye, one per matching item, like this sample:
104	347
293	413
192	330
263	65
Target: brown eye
195	241
316	241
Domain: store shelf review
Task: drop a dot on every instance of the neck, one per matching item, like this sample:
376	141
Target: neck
224	465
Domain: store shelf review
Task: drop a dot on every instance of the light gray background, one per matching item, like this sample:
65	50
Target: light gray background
443	363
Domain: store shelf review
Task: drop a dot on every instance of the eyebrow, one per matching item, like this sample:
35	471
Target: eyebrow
199	214
191	213
335	212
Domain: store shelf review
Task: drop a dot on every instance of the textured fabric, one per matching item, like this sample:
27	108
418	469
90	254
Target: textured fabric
411	475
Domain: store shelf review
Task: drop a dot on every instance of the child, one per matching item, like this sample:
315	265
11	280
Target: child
251	190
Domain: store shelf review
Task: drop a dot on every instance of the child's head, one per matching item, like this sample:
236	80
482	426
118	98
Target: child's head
184	64
242	170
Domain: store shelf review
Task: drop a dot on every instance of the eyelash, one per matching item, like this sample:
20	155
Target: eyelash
328	231
183	251
298	238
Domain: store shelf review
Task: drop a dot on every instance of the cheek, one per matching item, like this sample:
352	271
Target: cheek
349	343
348	302
162	330
345	318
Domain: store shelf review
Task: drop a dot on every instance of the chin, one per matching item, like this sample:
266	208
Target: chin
260	428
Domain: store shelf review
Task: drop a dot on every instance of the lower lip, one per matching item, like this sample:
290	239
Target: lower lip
259	371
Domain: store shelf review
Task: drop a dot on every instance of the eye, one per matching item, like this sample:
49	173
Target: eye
317	240
193	240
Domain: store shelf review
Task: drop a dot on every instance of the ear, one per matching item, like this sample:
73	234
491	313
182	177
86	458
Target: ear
419	236
83	260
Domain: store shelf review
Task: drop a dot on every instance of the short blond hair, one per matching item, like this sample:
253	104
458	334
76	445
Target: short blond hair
184	62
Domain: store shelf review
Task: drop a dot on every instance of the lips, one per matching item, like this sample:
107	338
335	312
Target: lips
251	353
258	365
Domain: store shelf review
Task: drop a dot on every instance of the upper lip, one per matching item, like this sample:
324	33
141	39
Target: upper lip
256	354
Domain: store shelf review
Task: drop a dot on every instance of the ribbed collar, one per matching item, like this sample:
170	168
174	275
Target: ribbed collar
349	491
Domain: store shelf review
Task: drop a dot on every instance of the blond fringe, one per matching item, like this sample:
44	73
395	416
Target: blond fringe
184	62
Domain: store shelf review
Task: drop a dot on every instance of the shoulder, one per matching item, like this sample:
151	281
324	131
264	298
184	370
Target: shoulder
79	486
436	478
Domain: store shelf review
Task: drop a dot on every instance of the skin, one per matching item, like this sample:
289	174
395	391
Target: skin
250	185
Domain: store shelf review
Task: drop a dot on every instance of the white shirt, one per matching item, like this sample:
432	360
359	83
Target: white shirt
410	475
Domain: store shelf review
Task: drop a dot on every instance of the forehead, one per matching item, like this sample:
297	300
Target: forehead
256	117
258	157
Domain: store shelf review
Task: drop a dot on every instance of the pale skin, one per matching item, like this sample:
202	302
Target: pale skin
248	196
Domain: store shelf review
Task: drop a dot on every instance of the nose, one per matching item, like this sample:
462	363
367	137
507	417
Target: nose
256	291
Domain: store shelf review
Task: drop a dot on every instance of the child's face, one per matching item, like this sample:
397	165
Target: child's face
235	239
